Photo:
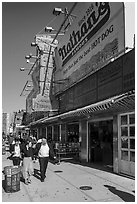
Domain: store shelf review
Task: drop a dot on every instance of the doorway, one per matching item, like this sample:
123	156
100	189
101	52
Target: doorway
101	142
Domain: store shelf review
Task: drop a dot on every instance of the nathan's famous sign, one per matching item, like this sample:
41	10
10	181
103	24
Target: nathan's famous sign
94	36
93	23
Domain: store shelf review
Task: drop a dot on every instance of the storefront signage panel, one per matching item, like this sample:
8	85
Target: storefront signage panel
110	72
129	71
44	42
42	103
33	93
84	93
85	99
95	35
115	78
110	79
109	89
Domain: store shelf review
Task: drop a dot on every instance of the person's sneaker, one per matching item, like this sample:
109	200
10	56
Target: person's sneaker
29	181
26	182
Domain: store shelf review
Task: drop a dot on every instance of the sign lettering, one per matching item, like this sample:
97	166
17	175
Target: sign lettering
89	28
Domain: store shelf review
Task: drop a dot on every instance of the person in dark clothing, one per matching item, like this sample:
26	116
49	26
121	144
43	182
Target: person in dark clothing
43	151
52	153
34	142
15	151
27	151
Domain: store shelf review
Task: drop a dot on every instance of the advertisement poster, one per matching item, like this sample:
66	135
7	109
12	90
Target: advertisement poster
44	42
29	101
35	79
94	36
42	101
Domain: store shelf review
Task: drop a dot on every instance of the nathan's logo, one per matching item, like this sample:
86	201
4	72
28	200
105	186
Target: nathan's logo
78	39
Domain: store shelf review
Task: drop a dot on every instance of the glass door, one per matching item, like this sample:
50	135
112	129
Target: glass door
127	143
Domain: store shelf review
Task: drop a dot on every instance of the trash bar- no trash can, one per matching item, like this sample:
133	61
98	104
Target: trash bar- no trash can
12	178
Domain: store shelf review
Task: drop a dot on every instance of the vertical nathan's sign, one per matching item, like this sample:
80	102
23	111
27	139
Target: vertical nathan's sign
95	35
36	78
42	102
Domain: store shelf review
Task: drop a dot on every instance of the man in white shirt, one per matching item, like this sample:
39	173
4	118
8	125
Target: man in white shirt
43	154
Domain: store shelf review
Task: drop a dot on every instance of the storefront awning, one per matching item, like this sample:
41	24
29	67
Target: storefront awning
126	103
119	103
36	122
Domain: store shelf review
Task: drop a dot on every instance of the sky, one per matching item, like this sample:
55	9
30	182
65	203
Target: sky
21	21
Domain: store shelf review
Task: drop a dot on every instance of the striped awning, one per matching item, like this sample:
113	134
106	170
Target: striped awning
117	103
36	122
125	103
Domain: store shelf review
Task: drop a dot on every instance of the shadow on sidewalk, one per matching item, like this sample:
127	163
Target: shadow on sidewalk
127	197
98	165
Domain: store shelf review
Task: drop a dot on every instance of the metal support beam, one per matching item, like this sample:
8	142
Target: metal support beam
33	65
24	88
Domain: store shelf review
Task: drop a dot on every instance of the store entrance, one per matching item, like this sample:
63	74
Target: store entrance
101	142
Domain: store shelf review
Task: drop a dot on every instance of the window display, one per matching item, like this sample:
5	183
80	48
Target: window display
67	149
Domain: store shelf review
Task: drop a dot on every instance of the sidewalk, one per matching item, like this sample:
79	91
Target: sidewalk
63	184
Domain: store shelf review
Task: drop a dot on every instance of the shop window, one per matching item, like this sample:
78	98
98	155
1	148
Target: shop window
127	134
132	119
73	133
124	131
124	120
132	156
132	131
124	142
132	144
124	155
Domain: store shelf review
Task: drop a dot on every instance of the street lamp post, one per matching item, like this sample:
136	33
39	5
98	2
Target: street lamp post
58	11
22	69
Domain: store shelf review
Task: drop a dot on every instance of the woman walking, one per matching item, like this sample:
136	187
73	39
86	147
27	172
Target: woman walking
16	152
27	161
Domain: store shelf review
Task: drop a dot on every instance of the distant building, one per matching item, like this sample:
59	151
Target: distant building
17	122
4	124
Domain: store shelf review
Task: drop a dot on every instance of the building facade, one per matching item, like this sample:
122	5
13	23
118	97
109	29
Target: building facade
96	101
106	128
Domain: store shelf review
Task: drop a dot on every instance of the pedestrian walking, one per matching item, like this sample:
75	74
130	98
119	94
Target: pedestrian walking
34	142
15	150
52	152
28	170
43	150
